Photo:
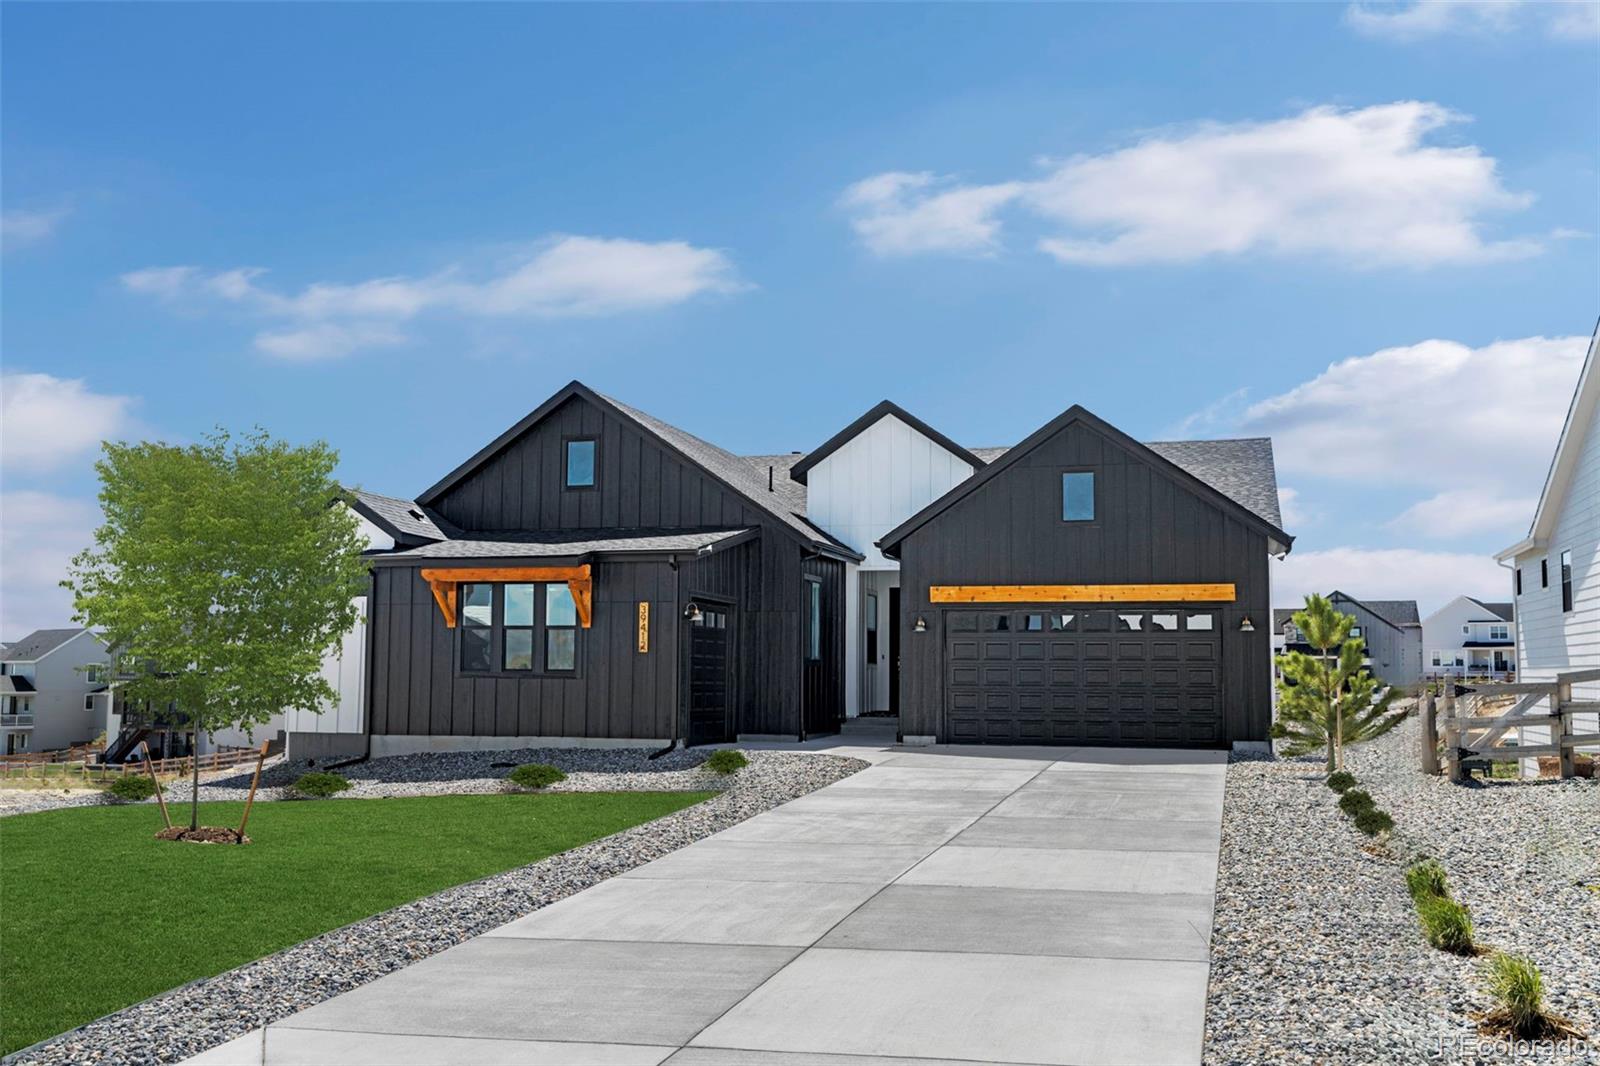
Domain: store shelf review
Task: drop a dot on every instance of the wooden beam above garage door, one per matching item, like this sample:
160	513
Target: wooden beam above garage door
1213	593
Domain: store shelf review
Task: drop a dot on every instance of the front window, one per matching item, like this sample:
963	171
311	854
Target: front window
1499	632
1077	497
1566	580
502	623
813	620
872	628
580	464
1355	631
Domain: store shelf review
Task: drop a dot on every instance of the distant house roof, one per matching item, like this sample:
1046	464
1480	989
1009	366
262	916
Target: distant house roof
880	410
404	520
1505	612
1564	464
1398	613
570	544
39	643
15	686
1282	616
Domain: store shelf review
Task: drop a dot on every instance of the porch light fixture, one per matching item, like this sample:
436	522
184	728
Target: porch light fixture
1247	626
921	625
691	613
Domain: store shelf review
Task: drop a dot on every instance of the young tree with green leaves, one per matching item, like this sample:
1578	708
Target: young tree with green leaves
1329	699
225	571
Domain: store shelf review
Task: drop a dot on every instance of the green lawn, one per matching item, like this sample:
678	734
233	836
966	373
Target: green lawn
95	914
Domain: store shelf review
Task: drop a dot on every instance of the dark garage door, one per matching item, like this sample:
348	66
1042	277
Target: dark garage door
1062	676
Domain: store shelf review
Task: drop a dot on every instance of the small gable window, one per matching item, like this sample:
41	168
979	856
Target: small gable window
580	464
1077	496
1566	581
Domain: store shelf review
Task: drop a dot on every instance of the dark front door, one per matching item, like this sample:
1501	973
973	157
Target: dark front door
894	649
1063	675
819	668
708	676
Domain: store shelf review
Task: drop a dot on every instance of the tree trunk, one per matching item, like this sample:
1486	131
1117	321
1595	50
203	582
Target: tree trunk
194	779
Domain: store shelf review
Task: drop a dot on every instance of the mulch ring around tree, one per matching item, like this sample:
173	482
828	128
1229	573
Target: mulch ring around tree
206	834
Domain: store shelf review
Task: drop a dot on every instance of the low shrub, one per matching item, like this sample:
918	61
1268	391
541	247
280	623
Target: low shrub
131	788
535	775
1426	880
1356	800
1340	780
320	784
726	761
1517	988
1447	924
1372	821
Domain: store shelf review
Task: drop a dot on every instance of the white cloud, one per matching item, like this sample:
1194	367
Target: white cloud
1430	578
1460	512
564	277
905	214
1294	509
1436	414
39	533
1361	186
1422	19
20	227
46	421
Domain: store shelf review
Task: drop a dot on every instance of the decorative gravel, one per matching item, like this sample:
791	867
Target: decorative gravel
29	800
201	1015
1316	956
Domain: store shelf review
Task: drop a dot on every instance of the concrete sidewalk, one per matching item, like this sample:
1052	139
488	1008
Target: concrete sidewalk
947	905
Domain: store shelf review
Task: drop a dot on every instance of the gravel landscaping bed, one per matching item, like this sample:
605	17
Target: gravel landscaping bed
1316	956
201	1015
437	774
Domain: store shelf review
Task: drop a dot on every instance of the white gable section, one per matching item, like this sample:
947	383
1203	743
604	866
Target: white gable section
879	478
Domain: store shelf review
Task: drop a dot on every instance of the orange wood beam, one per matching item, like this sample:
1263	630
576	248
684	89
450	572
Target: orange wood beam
445	580
1199	593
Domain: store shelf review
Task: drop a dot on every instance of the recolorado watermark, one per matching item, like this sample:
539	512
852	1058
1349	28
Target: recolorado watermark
1474	1045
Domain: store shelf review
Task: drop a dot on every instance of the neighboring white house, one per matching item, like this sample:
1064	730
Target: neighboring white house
1470	638
52	690
1556	567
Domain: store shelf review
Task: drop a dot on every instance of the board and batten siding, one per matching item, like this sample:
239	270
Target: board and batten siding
1548	640
1394	651
1150	528
878	479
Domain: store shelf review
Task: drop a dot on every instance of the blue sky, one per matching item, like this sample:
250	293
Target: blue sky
400	227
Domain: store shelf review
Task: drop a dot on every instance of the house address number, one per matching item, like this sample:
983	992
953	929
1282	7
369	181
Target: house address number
644	626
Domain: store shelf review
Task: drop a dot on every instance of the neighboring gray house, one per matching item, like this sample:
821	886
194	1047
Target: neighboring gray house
1391	629
52	690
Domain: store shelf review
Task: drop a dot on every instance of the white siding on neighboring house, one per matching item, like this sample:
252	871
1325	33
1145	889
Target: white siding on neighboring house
884	475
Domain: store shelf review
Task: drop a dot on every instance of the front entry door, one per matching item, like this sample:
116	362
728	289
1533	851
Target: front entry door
708	676
894	650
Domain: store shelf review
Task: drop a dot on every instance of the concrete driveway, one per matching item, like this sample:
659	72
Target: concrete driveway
946	905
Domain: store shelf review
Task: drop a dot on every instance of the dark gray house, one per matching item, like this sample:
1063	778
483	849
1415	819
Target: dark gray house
1390	629
597	576
1083	588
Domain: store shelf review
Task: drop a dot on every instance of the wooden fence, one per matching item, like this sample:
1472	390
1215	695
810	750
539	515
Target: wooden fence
77	753
1477	718
85	770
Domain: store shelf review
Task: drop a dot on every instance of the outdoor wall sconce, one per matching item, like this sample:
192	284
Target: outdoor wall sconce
692	613
921	625
1247	626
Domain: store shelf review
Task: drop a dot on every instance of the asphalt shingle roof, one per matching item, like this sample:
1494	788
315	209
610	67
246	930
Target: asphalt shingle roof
1506	612
39	643
1395	612
564	543
407	516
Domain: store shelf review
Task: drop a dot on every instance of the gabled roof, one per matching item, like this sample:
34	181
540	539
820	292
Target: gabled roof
571	544
1397	613
1564	466
732	471
1241	469
1505	612
404	520
882	409
1281	616
39	643
1076	413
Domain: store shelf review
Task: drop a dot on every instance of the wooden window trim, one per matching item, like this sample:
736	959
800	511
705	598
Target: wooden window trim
443	581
